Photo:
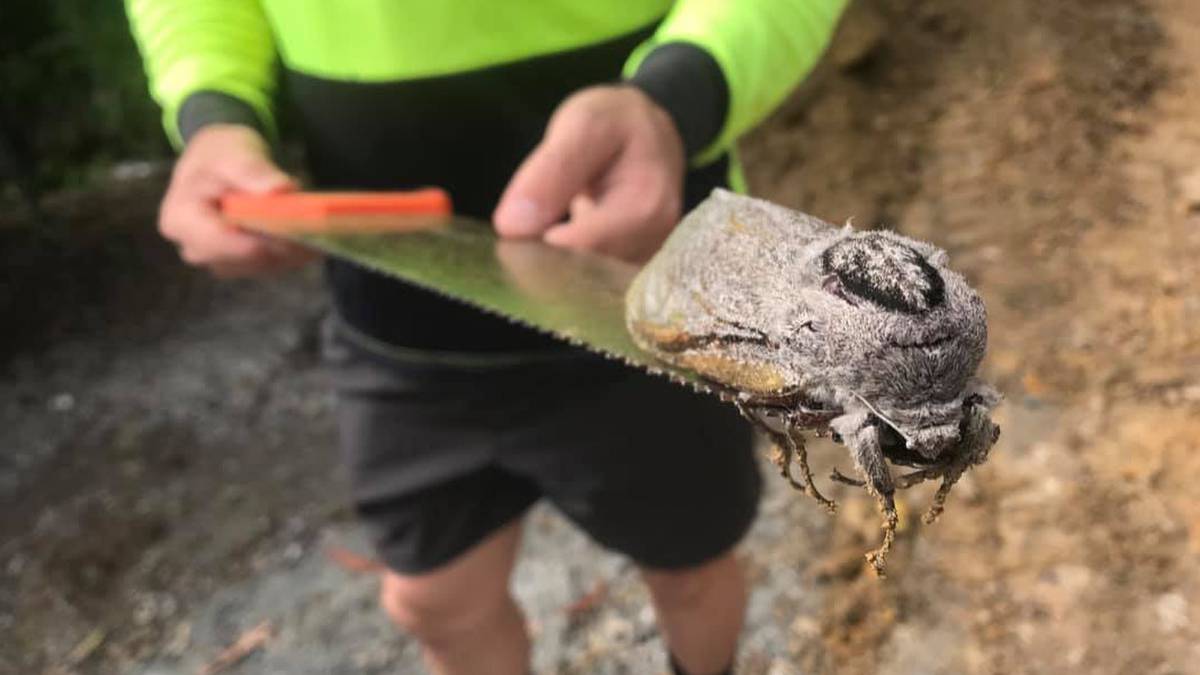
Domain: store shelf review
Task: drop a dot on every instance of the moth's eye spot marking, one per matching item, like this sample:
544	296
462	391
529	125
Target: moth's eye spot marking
886	272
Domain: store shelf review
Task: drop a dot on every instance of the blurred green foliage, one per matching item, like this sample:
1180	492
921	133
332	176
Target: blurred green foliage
73	95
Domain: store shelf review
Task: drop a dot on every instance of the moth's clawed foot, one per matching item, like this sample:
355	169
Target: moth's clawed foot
779	457
828	504
939	498
783	459
891	520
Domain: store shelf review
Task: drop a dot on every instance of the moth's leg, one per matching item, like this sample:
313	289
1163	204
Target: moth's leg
839	477
868	456
939	498
781	450
902	482
800	456
863	444
787	447
878	557
920	476
948	474
781	457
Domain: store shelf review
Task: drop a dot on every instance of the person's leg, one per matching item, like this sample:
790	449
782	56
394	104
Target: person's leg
700	612
417	440
462	613
660	474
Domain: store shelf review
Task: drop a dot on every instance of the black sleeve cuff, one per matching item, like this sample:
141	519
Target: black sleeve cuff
687	82
213	107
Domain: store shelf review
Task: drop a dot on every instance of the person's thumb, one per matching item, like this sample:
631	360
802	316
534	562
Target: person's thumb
573	153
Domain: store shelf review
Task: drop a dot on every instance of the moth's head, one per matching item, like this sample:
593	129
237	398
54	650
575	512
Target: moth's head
893	332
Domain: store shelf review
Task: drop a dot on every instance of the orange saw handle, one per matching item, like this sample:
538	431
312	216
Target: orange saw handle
317	212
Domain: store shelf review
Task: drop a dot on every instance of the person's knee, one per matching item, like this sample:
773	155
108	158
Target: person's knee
683	588
437	610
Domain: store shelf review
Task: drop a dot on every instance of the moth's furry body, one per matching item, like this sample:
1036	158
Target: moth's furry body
867	334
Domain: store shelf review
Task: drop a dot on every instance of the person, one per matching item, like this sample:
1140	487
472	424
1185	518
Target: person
589	125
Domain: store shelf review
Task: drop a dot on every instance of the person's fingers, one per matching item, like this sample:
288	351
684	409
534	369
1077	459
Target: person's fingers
600	232
582	205
627	221
577	147
589	230
254	173
206	238
218	160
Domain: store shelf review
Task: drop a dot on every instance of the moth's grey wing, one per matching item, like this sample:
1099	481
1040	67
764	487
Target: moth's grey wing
721	287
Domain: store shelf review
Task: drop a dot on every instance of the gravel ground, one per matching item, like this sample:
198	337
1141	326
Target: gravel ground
169	482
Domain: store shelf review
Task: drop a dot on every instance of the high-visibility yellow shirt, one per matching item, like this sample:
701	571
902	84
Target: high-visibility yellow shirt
762	47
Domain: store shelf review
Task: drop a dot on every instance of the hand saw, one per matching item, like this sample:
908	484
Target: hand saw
415	237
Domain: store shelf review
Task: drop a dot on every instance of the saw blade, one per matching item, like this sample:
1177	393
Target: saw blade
574	296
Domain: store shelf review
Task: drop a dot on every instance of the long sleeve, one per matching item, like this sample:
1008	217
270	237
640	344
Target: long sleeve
720	66
207	61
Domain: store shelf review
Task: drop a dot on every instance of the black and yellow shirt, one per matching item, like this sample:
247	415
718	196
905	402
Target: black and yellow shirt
390	94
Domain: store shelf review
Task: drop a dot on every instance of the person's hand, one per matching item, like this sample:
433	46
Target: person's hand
612	164
219	159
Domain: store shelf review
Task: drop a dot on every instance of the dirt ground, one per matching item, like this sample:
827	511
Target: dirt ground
1054	149
168	480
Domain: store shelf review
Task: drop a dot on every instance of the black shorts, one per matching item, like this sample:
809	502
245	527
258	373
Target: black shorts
444	449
